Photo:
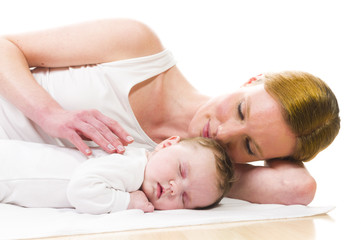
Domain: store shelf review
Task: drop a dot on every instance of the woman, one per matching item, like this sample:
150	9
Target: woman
121	70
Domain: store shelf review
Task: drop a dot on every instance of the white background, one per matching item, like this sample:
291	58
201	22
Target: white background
221	44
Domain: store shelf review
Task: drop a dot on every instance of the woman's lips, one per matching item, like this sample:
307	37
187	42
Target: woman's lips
206	130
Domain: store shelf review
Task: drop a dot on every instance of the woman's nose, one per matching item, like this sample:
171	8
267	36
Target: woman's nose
227	131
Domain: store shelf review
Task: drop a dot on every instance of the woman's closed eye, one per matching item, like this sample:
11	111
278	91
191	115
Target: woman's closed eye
248	146
240	112
246	141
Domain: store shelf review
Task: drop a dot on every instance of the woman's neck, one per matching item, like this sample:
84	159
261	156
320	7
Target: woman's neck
180	110
165	105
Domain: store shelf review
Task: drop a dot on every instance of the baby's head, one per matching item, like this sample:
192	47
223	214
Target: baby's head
190	173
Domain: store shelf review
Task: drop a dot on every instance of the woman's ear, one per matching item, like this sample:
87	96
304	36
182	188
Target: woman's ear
253	80
167	143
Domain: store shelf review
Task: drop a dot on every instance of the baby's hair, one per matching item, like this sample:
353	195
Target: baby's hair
224	165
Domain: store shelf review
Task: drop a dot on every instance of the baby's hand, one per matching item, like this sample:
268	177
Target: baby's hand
138	200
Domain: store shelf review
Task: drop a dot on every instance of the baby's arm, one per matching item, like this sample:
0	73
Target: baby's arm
102	185
138	200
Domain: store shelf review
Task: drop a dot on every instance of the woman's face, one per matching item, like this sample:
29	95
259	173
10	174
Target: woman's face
248	123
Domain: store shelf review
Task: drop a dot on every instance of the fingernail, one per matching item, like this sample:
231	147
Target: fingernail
130	139
120	148
87	151
111	147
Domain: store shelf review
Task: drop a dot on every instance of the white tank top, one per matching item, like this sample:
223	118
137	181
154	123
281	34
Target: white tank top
104	87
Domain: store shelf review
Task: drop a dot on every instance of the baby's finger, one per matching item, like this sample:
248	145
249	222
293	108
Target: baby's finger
149	207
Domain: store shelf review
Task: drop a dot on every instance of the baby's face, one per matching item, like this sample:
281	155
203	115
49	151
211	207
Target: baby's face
181	176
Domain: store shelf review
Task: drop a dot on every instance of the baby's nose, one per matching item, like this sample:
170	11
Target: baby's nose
174	188
168	191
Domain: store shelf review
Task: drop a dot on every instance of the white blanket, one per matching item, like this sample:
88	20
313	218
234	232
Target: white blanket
18	223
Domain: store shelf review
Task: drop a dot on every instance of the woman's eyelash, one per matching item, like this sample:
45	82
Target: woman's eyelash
240	111
248	147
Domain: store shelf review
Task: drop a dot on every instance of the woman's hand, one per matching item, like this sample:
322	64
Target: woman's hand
77	126
138	200
41	49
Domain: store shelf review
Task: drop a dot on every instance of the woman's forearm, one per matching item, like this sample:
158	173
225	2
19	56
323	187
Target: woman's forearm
280	182
112	39
18	86
78	44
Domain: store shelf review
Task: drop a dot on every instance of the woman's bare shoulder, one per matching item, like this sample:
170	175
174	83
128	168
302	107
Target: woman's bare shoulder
139	37
89	42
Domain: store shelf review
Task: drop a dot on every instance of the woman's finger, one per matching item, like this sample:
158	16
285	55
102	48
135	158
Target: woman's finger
115	128
88	124
95	134
78	142
114	143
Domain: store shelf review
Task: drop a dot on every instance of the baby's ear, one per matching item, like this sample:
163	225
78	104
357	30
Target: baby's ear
168	142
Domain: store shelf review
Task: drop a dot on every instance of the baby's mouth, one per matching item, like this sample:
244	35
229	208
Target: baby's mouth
159	190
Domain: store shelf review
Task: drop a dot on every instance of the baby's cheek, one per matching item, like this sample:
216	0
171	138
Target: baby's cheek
166	204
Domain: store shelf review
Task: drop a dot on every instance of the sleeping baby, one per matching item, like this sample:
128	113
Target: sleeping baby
191	173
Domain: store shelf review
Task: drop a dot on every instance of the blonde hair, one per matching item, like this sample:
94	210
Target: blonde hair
224	165
310	109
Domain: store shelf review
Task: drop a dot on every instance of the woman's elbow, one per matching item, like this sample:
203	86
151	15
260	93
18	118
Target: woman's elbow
302	192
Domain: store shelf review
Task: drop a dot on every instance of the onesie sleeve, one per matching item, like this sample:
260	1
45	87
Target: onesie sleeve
102	185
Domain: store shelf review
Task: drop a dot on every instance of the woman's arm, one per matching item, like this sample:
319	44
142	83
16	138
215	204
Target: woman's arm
86	43
280	182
